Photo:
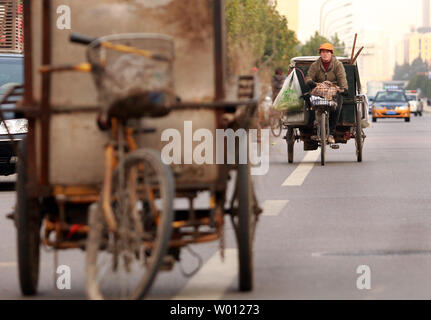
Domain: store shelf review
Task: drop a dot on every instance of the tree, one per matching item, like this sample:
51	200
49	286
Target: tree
257	36
401	72
406	71
420	82
311	47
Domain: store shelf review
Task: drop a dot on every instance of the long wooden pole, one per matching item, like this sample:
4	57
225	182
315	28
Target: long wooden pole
353	48
356	56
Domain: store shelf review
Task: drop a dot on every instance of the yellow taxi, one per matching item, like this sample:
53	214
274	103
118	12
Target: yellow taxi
391	104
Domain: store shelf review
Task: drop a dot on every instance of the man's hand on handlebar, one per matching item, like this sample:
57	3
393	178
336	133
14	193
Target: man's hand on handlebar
344	92
311	84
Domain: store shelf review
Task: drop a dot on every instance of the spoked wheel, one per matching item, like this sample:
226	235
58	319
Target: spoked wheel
28	222
276	126
322	136
244	219
290	139
124	264
359	141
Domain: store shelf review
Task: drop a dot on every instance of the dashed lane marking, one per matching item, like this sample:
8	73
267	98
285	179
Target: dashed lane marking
298	176
8	264
273	207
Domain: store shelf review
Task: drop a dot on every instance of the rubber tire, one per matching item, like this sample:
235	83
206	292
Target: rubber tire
96	227
358	137
416	114
407	119
322	139
290	139
28	224
374	119
245	228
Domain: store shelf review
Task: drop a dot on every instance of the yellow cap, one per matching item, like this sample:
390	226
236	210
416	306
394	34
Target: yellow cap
327	46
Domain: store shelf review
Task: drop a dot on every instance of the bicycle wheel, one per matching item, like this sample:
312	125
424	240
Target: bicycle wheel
28	222
290	139
358	138
244	219
322	128
124	264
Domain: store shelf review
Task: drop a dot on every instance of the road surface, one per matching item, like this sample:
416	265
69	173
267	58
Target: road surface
319	225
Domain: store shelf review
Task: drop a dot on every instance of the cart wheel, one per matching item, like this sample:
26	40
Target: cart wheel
28	229
276	126
358	139
124	264
290	139
322	138
246	226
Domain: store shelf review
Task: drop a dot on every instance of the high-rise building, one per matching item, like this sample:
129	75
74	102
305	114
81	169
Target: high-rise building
426	13
290	9
11	26
417	43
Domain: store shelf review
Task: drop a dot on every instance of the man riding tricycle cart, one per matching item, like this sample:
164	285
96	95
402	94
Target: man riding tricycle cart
322	103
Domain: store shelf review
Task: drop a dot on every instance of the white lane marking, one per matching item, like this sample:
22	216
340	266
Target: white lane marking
301	172
212	281
273	207
7	264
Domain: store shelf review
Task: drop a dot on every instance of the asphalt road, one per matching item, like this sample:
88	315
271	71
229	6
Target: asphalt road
319	225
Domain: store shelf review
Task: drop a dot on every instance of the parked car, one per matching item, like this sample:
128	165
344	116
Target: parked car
416	105
391	104
11	73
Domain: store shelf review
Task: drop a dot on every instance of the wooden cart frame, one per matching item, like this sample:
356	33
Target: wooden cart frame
62	209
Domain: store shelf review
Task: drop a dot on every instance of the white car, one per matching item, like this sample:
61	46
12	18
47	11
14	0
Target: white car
416	104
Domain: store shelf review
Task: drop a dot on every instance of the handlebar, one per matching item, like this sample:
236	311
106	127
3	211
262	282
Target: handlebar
86	40
76	37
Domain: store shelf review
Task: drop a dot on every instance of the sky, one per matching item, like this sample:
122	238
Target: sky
394	16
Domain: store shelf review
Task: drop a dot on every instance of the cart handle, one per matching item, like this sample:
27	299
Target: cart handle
82	39
76	37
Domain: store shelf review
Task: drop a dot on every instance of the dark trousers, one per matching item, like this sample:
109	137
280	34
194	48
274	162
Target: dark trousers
334	115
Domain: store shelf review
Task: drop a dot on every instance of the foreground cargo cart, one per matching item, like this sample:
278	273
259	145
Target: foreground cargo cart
65	164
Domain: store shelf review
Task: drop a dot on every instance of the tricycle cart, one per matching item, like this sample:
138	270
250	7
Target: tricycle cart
310	123
69	167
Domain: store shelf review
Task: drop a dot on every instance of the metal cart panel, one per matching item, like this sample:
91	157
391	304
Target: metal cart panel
75	145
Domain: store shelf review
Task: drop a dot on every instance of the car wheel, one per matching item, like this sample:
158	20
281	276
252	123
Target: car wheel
407	119
374	119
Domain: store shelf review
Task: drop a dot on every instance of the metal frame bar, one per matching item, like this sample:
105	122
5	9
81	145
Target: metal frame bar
46	92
